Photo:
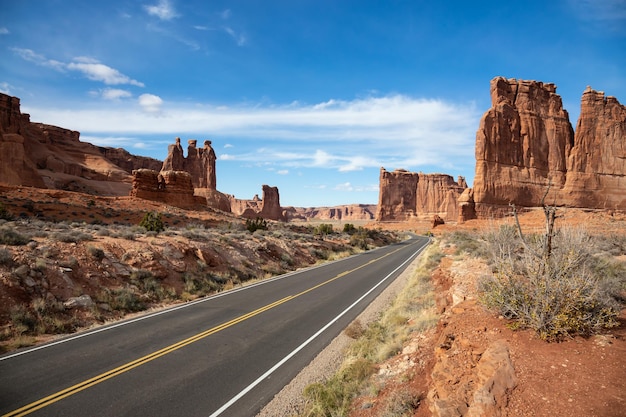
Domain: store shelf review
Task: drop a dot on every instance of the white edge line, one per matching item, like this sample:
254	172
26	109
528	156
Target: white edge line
169	310
310	339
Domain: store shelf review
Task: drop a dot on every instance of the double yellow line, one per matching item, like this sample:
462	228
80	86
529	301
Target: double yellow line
46	401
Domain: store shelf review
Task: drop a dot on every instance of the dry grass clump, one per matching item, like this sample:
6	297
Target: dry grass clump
412	311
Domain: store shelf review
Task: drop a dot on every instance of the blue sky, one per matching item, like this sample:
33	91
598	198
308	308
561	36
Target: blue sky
310	96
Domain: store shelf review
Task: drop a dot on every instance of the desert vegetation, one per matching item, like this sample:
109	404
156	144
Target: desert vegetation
59	276
412	311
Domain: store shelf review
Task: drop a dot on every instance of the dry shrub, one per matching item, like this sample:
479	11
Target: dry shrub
557	293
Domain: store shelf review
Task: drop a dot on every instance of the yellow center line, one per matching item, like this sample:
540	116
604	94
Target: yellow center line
46	401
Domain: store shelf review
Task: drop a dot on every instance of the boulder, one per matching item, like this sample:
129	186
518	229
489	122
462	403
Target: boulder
169	187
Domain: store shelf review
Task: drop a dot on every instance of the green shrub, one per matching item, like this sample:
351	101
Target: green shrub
152	222
349	228
323	229
556	293
12	238
256	224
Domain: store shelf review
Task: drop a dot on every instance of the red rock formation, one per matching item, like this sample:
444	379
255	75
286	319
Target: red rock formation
170	187
521	145
406	195
525	145
129	162
596	171
45	156
200	163
344	212
268	207
16	168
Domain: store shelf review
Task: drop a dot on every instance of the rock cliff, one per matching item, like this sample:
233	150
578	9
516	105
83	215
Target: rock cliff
339	213
408	195
267	207
45	156
525	144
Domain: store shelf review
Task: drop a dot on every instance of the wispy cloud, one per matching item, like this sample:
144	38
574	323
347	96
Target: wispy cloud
4	31
96	71
89	67
115	94
5	88
606	14
395	131
240	38
164	10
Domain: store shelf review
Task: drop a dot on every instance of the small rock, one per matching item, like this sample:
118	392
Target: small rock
79	302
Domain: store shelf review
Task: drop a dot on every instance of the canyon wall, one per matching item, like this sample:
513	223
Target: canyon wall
45	156
408	195
170	187
349	212
199	162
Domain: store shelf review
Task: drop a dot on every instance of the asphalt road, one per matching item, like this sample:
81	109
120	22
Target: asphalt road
225	355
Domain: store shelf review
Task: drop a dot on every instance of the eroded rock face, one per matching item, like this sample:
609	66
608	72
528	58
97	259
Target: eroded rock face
526	147
45	156
199	163
267	207
170	187
406	195
596	175
521	145
343	212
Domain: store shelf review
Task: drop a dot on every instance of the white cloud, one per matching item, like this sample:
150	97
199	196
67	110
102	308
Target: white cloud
282	172
392	131
31	56
5	88
96	71
4	31
164	10
228	145
89	67
225	15
115	94
150	103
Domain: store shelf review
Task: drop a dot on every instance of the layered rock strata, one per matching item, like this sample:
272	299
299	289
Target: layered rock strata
267	207
408	195
526	149
199	162
170	187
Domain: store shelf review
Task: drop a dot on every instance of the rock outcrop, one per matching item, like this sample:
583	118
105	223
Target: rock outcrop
522	145
596	168
45	156
408	195
170	187
199	163
267	207
525	147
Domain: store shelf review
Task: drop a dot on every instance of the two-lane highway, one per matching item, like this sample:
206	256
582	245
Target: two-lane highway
225	355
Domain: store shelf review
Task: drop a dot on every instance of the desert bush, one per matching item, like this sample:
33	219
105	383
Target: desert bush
6	257
95	252
152	222
256	224
124	299
349	228
323	229
465	242
22	320
73	236
555	292
360	238
4	213
12	238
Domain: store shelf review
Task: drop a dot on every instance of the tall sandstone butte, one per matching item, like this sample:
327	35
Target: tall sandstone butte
408	195
525	144
199	163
